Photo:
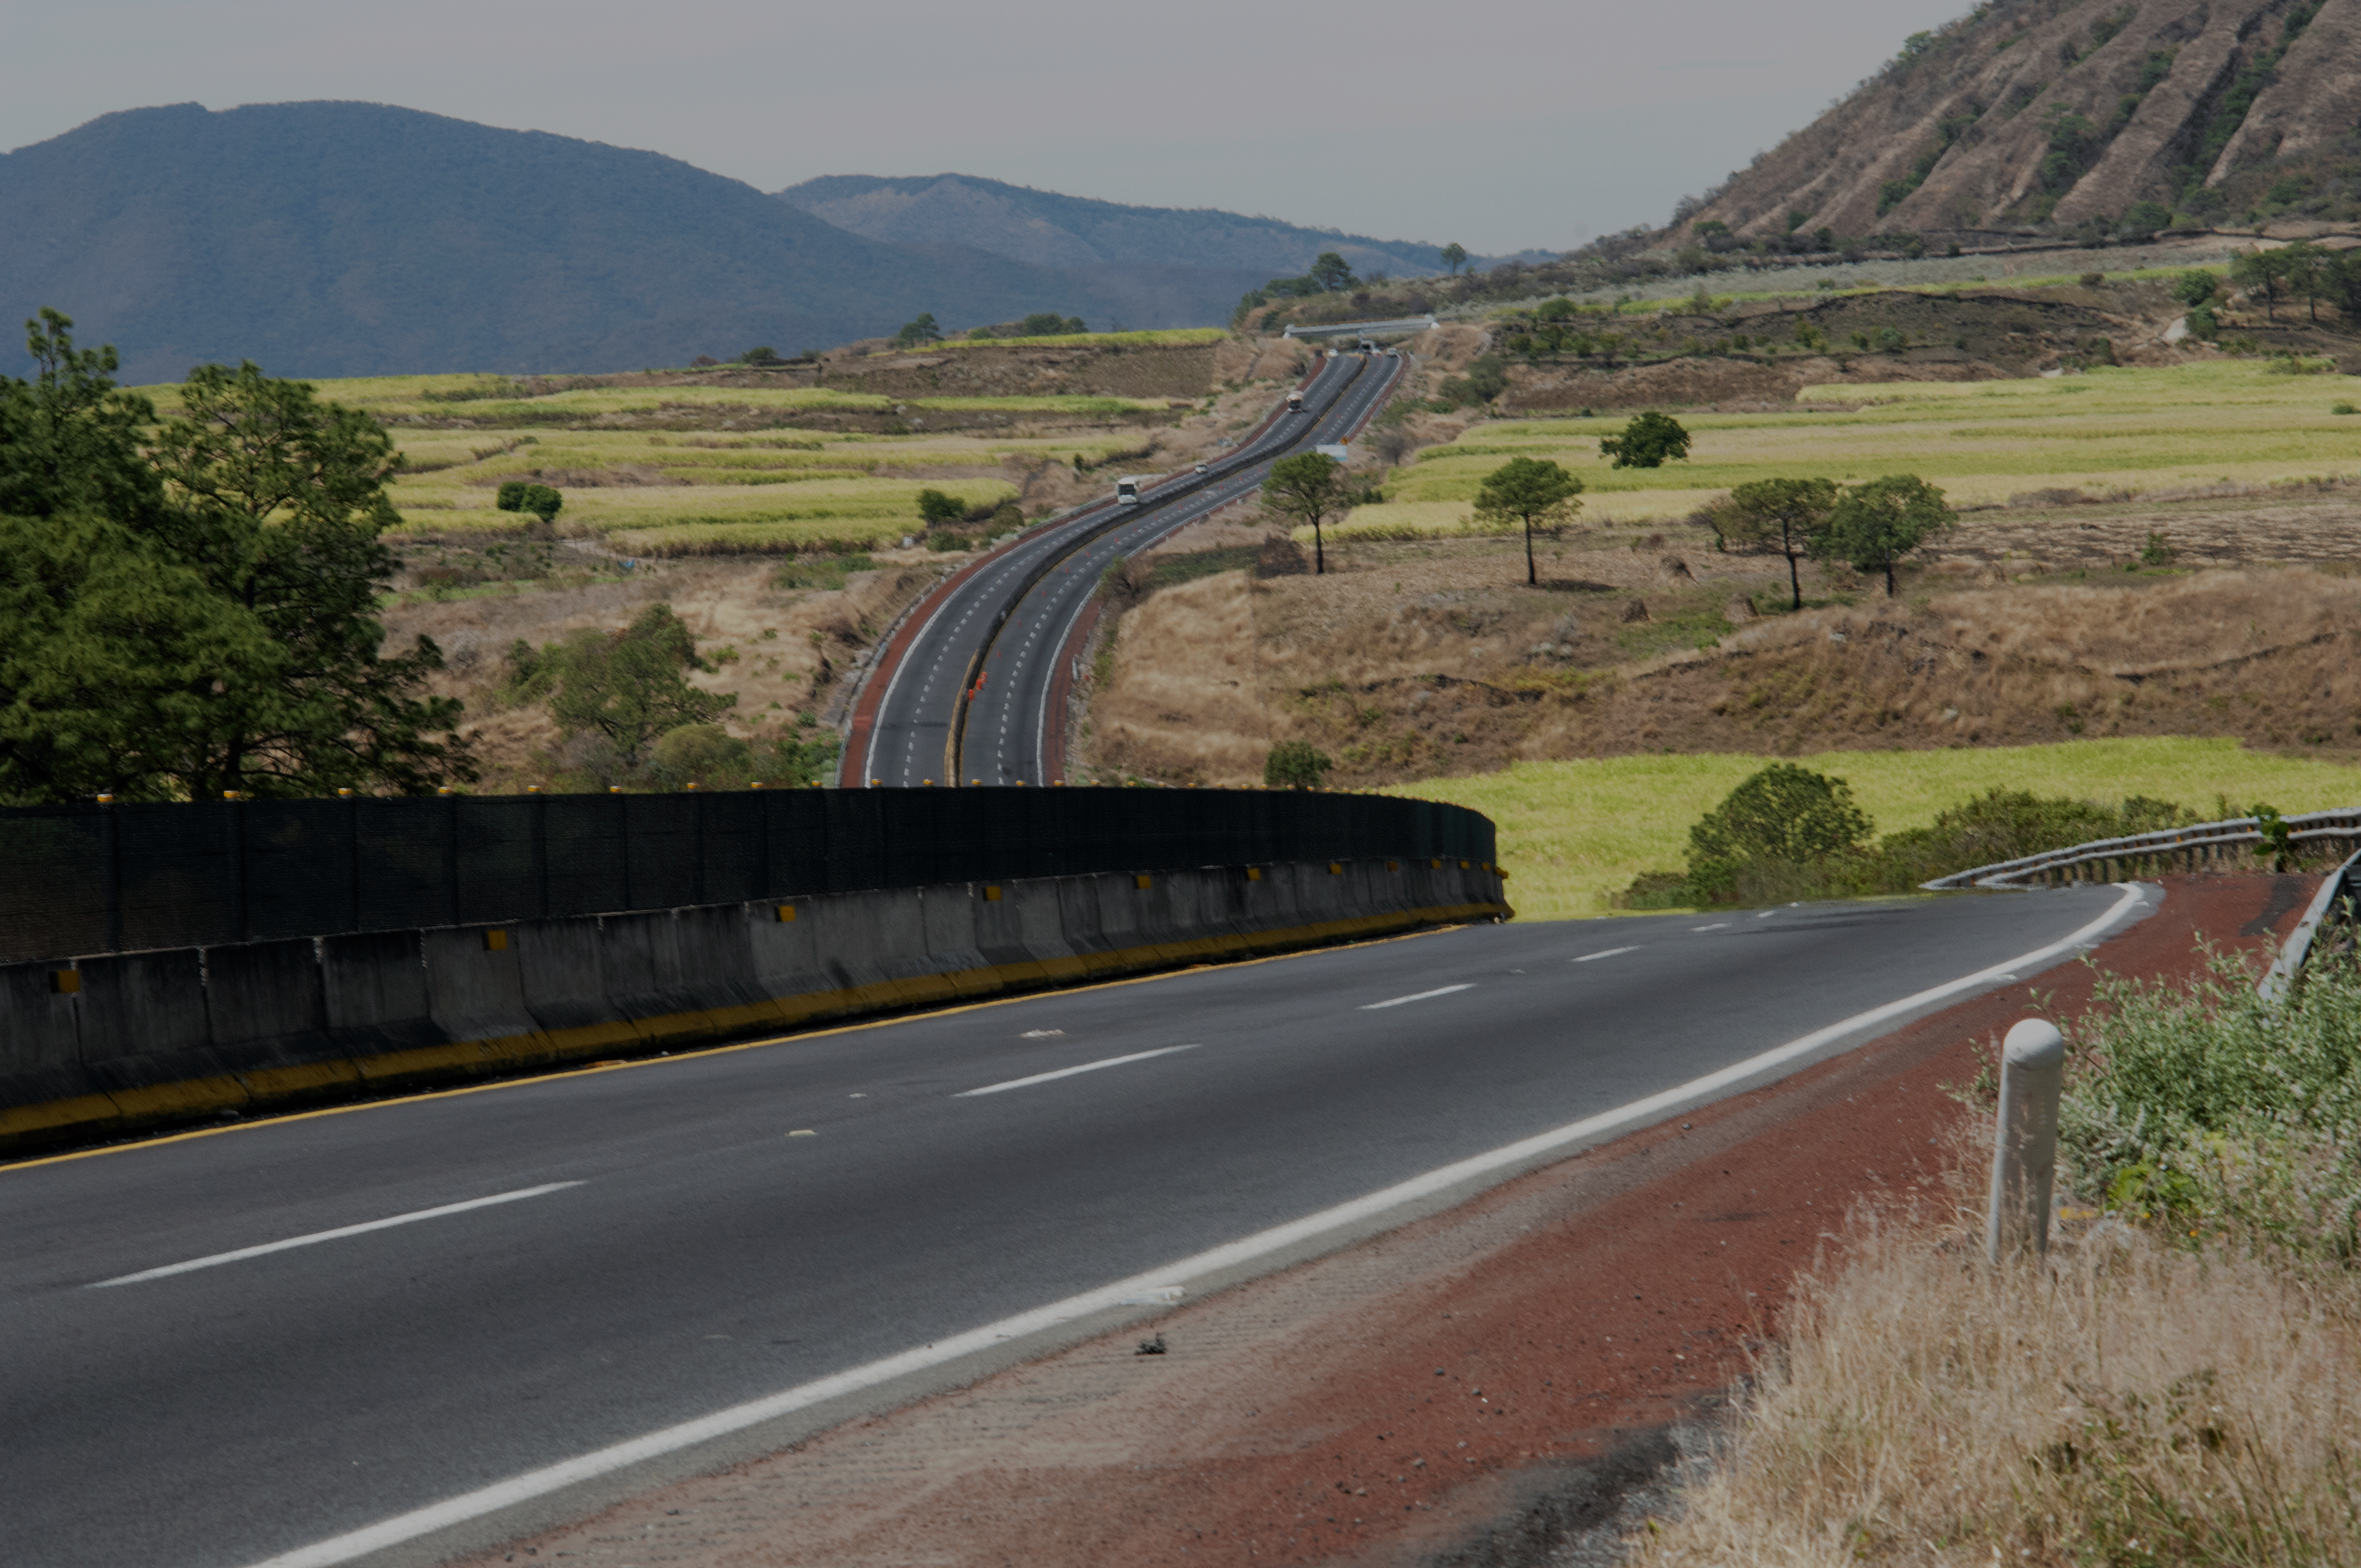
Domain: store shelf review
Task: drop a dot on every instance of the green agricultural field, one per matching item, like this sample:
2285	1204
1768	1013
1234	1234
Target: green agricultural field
1572	833
2109	429
718	475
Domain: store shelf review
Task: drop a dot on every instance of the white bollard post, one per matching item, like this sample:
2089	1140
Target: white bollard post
2025	1155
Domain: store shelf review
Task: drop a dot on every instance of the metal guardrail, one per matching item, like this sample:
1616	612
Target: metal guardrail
2182	849
2331	909
1401	327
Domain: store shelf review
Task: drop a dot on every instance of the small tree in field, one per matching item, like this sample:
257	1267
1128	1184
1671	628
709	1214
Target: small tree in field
1307	489
935	507
925	329
1332	272
1876	525
1784	515
2264	272
1295	764
1648	441
1454	256
1534	491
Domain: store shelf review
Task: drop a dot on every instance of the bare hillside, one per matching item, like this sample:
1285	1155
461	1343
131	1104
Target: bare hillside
2068	111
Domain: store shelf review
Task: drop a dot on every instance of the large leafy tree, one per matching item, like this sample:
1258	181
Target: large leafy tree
110	658
1874	525
69	439
628	686
192	610
1307	489
277	500
1533	492
1783	515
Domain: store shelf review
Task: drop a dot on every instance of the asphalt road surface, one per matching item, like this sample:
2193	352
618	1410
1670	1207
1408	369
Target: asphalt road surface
908	744
179	1388
1007	722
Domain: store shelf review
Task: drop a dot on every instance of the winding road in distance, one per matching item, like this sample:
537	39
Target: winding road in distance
1009	618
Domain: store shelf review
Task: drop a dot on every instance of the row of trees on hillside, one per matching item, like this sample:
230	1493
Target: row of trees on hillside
188	605
1871	527
1536	493
2299	270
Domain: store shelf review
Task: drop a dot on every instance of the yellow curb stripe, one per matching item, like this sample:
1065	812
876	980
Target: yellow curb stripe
118	1110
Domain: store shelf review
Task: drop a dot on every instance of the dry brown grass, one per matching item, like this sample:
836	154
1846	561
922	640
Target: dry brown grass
1415	660
728	604
2124	1403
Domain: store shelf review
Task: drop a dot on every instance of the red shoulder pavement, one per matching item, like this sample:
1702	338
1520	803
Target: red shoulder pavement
1410	1393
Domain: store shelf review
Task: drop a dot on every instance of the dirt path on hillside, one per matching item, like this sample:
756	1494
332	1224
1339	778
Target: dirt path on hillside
1469	1389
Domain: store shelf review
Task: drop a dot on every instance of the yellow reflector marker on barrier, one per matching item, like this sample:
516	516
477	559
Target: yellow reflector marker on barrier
65	982
1434	865
786	914
1143	880
1393	865
991	894
1254	873
1335	870
496	941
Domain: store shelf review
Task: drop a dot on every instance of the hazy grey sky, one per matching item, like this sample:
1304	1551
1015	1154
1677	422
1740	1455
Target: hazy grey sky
1502	123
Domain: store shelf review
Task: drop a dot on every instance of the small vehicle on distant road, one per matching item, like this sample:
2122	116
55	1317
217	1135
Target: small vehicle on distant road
1295	403
1126	489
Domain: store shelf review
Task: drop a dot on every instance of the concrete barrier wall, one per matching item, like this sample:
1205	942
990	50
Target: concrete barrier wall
98	1047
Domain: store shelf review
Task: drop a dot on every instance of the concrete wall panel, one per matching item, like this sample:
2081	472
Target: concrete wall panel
143	1005
265	1002
376	994
40	1044
152	1037
475	991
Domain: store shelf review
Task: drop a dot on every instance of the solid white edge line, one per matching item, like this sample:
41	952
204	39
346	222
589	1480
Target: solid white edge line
1417	997
1069	1072
721	1424
244	1253
1610	953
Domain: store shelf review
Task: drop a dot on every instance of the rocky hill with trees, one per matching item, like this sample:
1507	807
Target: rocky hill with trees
2080	116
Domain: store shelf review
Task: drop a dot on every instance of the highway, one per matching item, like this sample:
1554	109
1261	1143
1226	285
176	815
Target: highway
236	1347
1009	722
908	742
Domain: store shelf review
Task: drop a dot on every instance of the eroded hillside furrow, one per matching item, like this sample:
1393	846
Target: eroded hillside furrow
2043	111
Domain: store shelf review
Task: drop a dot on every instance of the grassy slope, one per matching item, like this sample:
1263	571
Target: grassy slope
1572	832
708	480
1982	442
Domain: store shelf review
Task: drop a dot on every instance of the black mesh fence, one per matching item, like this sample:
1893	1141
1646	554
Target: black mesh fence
94	879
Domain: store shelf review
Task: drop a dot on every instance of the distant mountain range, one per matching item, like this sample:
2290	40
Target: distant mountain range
354	239
1074	233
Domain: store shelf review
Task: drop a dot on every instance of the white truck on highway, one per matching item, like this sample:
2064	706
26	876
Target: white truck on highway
1128	489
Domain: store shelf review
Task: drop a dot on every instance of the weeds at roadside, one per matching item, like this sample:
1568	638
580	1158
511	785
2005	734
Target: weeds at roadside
2179	1382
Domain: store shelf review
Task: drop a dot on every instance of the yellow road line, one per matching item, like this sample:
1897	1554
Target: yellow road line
928	1013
